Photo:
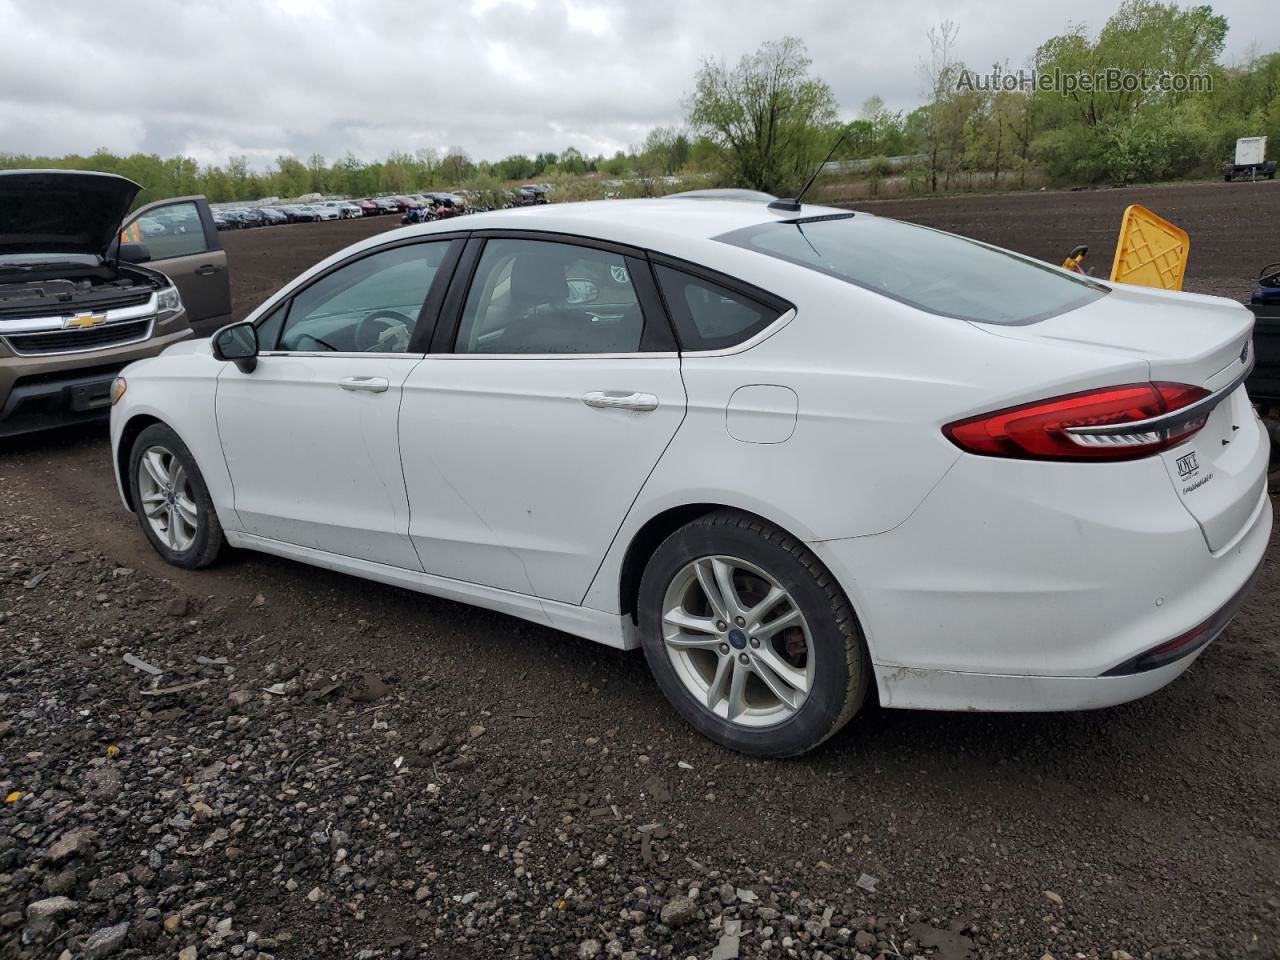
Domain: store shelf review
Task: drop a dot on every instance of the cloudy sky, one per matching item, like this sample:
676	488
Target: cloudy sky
264	77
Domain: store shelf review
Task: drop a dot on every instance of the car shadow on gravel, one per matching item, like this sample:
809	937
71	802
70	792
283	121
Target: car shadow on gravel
57	441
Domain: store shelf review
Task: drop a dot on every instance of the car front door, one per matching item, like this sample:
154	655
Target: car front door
525	444
309	434
184	245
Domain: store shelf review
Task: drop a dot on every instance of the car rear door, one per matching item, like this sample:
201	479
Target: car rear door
184	245
552	389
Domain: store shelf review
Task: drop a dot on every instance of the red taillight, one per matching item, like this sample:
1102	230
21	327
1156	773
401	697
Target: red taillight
1042	430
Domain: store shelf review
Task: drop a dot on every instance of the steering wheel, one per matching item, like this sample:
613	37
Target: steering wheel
374	332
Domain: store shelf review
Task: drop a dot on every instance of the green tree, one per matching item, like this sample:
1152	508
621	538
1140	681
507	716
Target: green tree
456	166
767	115
291	179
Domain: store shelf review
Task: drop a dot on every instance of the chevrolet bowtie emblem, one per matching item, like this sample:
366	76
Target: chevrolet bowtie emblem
83	321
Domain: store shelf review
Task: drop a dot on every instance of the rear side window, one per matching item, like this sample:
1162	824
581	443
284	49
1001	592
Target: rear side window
933	271
709	316
540	297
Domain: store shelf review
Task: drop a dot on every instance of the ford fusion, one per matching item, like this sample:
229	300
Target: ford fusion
800	456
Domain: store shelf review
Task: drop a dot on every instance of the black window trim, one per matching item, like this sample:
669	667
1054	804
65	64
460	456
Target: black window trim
428	312
748	290
657	337
781	306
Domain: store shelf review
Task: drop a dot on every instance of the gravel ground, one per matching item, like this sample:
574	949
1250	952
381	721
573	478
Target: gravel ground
329	768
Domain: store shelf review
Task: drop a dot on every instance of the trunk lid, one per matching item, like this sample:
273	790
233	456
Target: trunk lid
62	211
1183	337
1219	473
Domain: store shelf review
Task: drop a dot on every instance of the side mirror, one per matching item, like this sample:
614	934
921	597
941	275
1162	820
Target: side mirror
134	252
239	344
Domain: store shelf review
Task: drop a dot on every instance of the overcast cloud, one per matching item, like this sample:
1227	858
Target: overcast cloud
493	76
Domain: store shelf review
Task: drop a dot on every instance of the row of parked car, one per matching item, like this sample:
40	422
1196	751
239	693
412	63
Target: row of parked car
412	207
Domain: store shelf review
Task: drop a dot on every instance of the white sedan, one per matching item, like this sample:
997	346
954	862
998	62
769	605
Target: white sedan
801	457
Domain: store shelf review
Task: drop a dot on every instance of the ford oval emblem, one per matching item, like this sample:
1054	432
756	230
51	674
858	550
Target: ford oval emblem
1244	352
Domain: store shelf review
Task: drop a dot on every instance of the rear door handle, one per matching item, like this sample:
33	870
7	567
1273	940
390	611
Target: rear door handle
640	402
365	384
207	269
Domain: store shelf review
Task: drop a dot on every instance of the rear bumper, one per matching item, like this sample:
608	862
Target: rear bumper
1019	586
54	390
910	689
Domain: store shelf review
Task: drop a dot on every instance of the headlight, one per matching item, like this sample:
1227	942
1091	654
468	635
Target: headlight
169	301
118	387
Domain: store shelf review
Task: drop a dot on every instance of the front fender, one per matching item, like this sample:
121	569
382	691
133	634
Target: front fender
179	390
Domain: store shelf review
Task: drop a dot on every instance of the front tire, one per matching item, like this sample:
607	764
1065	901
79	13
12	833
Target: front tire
750	637
171	499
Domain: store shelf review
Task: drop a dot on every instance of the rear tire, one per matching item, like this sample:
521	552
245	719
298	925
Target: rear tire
171	500
799	683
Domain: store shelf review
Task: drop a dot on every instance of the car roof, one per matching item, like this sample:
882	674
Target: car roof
683	228
655	223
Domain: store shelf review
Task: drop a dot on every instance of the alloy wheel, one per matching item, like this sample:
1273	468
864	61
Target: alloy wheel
168	500
738	641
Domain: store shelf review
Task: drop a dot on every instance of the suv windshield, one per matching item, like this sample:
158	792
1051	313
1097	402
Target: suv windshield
934	271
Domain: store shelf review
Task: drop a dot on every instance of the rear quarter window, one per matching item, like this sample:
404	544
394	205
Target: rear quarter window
709	315
934	271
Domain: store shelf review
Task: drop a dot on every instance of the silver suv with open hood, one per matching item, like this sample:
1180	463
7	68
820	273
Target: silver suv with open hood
86	288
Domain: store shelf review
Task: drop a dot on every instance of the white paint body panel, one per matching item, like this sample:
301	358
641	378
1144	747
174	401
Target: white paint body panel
513	480
314	464
179	388
980	583
762	413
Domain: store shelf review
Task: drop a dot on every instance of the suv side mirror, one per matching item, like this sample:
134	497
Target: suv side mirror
239	344
134	252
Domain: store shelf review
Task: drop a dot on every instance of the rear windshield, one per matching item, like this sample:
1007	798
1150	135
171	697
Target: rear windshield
934	271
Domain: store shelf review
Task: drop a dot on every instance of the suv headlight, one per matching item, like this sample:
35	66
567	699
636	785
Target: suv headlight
168	302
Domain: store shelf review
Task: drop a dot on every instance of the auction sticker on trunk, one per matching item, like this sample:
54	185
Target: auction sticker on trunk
1187	465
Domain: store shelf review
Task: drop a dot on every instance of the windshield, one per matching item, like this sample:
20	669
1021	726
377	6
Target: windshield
933	271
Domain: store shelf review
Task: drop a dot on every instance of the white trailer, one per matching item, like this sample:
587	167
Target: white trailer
1251	160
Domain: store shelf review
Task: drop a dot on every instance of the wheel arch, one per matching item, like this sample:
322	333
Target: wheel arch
656	529
128	434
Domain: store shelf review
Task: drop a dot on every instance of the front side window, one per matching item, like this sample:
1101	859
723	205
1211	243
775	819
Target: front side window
269	326
533	296
368	306
173	230
928	269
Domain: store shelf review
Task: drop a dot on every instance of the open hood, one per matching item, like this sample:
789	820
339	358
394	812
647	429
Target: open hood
62	211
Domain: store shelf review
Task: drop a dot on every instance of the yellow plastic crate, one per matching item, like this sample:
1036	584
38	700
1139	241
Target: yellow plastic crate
1152	252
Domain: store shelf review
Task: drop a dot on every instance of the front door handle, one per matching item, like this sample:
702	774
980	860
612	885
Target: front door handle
207	269
365	384
640	402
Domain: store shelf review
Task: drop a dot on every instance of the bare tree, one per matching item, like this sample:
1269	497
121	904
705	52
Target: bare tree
939	71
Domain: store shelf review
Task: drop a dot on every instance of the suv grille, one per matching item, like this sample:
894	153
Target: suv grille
104	299
71	341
